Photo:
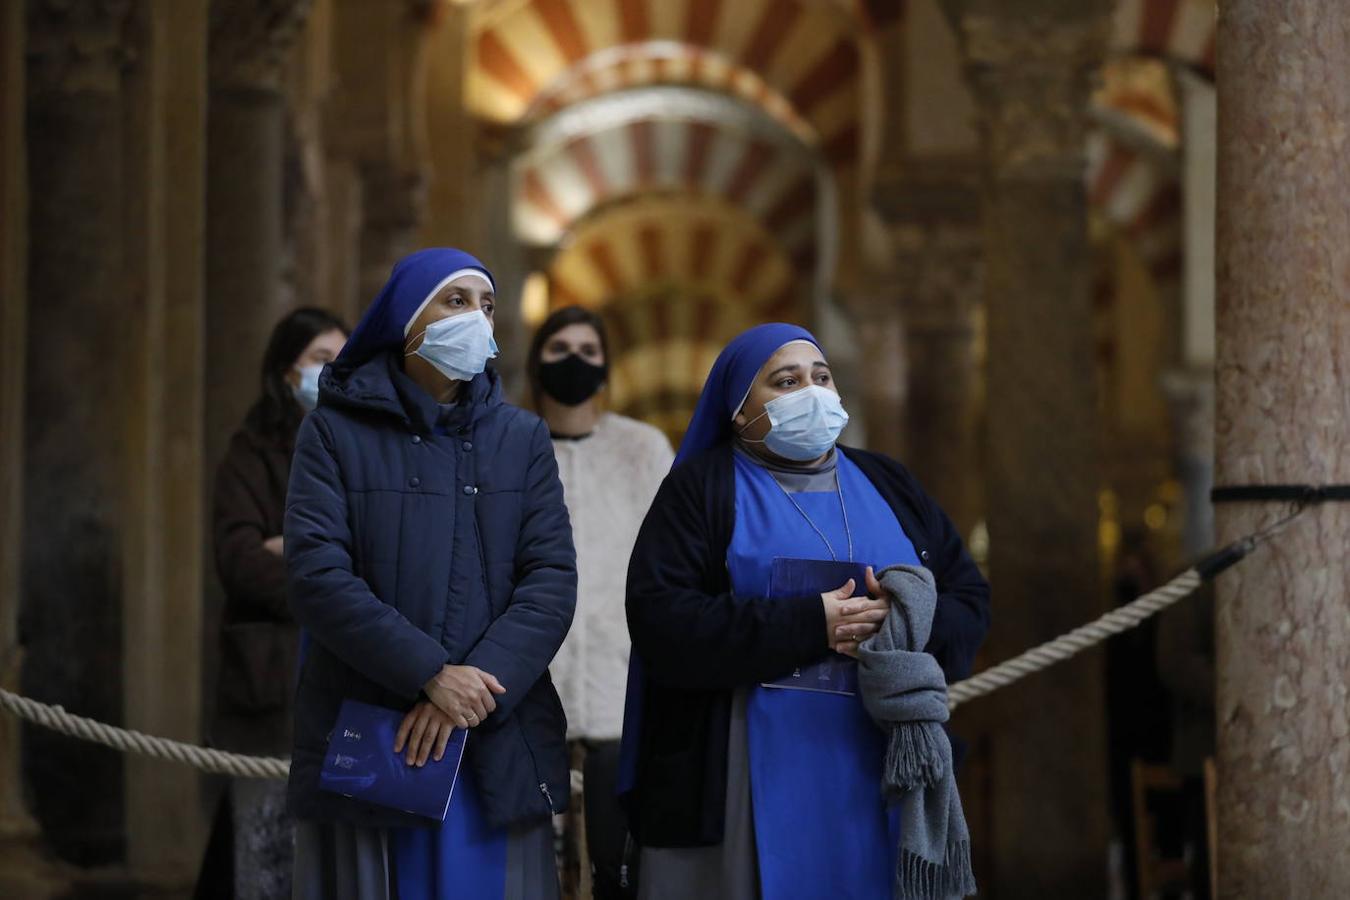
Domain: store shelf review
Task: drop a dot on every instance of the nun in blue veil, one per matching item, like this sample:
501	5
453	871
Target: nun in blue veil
736	790
430	563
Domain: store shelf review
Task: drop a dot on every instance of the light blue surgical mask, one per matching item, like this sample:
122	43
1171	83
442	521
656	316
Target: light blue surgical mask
307	391
804	424
459	346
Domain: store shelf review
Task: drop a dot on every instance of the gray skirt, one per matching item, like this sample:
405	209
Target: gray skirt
351	862
729	871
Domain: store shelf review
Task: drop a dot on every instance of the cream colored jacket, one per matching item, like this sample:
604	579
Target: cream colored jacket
609	479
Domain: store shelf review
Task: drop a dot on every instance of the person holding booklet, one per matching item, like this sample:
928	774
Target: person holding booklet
753	764
431	566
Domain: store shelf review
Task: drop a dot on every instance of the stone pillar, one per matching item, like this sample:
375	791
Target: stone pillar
1030	66
249	41
875	392
245	157
15	823
1190	387
378	122
163	358
391	203
1283	366
71	617
455	171
933	210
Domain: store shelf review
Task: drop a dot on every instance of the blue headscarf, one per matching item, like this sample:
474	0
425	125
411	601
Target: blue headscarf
729	382
413	281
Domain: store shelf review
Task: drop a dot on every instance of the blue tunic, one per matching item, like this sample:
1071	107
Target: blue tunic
463	859
822	827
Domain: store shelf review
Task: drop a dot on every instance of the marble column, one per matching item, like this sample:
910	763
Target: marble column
378	124
163	360
454	182
1030	66
1283	415
249	43
391	206
15	823
71	618
932	209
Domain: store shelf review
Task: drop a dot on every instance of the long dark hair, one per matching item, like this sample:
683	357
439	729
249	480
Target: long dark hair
556	322
276	414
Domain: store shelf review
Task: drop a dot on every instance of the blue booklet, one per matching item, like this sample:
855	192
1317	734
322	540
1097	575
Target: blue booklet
361	763
834	673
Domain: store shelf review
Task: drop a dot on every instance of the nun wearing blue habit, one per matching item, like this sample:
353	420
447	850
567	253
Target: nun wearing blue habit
735	790
430	563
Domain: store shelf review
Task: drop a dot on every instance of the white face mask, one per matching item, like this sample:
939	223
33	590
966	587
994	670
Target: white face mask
804	424
307	391
459	346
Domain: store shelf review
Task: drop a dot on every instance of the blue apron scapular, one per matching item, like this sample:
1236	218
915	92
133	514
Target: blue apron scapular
822	826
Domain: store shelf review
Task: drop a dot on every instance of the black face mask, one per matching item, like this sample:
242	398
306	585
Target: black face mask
571	380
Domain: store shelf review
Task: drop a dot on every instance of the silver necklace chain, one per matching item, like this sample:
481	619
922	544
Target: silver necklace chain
839	490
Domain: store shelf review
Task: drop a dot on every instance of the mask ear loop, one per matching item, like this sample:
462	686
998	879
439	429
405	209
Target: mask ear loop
740	433
408	343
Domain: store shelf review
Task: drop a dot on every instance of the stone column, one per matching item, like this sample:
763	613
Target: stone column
163	359
249	41
72	589
391	203
378	122
15	823
1189	387
245	158
455	179
1030	66
1283	415
933	211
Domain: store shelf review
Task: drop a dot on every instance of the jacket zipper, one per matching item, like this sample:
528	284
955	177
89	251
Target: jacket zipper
534	763
627	855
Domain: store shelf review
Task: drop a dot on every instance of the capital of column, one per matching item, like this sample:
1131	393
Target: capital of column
250	40
1032	79
77	47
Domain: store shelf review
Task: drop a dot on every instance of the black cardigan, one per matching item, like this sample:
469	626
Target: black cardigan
698	642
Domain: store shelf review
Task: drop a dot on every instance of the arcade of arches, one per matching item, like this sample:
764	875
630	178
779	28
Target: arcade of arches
999	215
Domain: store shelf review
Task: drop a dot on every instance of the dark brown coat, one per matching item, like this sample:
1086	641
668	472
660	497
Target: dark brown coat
258	636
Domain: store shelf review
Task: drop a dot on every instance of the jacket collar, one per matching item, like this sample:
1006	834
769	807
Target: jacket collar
379	385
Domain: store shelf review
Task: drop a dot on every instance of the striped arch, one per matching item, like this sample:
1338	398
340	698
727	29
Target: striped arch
1179	31
807	52
1140	192
675	277
665	63
1140	195
559	183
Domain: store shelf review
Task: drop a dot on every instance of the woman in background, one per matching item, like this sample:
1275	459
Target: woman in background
610	468
250	852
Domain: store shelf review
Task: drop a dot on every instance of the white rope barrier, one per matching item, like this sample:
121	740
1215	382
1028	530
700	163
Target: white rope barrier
219	762
207	759
1061	648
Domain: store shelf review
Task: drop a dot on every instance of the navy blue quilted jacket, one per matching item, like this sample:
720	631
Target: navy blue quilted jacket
418	535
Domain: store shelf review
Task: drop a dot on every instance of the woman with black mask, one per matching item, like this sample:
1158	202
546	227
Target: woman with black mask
610	467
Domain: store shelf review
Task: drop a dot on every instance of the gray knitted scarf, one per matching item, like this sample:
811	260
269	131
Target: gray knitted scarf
905	692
